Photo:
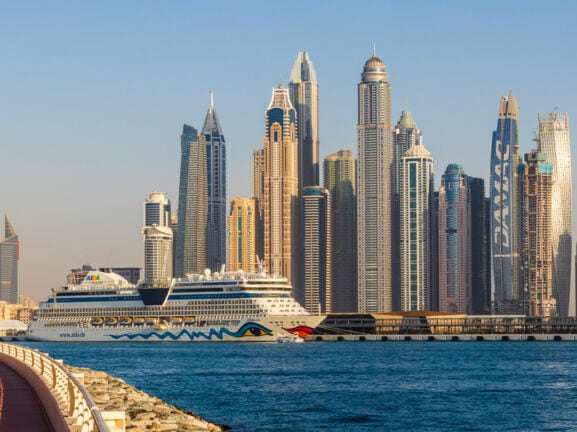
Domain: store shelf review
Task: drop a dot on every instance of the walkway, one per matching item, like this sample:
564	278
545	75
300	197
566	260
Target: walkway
20	408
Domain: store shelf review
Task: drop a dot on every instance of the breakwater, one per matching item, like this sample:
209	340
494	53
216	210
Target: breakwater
143	412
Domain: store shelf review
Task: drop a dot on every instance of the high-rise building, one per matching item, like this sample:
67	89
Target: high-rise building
555	143
455	276
315	295
157	254
537	184
216	189
480	245
374	189
157	209
281	210
505	253
258	195
405	134
340	180
304	95
9	264
416	188
191	235
241	235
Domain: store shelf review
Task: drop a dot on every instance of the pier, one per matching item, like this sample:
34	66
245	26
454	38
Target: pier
38	393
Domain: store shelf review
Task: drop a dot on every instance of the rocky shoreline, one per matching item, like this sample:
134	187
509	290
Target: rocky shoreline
143	412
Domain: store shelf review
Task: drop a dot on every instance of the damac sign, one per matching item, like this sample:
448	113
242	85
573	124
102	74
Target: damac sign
501	216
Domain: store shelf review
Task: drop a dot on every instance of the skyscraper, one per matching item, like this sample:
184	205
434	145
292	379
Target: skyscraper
158	239
241	235
216	183
258	195
191	235
480	245
416	188
9	264
374	189
455	277
157	209
317	248
157	254
304	95
506	292
554	142
537	184
405	134
340	180
281	210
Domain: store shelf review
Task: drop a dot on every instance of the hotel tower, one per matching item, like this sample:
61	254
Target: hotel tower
216	189
241	235
281	213
374	189
158	239
416	191
554	142
506	294
304	95
192	204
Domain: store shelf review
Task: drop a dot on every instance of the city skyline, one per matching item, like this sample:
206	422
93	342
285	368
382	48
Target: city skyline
108	104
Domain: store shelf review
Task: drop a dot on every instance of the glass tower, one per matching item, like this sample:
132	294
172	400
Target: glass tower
455	281
340	180
374	189
192	205
9	264
216	185
304	95
555	143
416	191
506	294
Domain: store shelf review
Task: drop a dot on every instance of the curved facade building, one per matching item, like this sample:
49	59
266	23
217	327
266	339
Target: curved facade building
555	143
374	183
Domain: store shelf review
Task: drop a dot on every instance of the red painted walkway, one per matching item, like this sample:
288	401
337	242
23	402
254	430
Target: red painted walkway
20	407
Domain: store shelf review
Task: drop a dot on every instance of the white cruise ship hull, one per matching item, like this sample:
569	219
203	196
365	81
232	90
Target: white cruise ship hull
262	329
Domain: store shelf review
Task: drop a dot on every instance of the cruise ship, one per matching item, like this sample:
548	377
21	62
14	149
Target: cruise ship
226	306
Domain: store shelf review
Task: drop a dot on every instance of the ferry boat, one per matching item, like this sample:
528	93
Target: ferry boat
226	306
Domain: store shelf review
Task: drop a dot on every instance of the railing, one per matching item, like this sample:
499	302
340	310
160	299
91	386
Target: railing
79	410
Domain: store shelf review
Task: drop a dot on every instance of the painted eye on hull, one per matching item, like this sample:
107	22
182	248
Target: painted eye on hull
253	329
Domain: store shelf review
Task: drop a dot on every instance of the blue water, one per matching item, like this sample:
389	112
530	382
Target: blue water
351	386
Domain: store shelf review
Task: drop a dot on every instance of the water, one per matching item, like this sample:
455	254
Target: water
351	386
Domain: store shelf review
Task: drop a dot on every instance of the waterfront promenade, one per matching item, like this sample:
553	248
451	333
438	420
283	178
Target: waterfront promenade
38	393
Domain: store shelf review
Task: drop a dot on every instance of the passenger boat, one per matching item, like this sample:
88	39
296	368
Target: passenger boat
226	306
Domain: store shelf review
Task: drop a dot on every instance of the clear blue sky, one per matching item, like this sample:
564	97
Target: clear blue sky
93	96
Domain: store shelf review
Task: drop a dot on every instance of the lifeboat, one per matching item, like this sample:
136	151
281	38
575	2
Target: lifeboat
151	321
138	321
125	321
176	320
189	319
96	321
110	321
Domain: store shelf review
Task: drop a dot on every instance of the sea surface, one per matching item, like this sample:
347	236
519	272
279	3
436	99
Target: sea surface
350	386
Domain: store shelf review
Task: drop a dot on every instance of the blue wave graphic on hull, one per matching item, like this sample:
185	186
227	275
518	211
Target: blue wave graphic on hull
248	329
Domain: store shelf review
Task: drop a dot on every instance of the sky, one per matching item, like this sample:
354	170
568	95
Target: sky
93	96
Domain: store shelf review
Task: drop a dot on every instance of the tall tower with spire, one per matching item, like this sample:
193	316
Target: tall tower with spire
281	210
374	183
506	294
216	189
554	142
9	264
304	95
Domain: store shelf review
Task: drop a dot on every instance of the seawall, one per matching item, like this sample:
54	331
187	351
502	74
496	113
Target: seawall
143	412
